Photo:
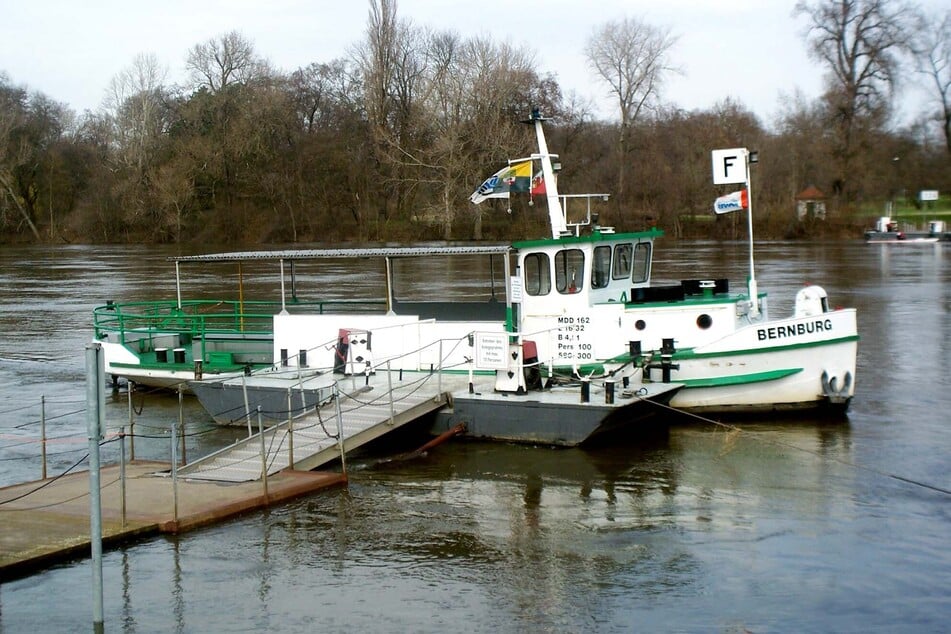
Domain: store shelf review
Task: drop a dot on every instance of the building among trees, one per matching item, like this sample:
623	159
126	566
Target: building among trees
810	204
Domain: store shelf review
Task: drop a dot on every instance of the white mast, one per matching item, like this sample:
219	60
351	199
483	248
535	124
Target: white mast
753	290
555	214
733	166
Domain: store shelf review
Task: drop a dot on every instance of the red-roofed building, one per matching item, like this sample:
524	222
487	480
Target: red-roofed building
810	204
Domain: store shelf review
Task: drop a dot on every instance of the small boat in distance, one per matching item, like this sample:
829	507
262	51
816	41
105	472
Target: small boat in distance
573	341
887	230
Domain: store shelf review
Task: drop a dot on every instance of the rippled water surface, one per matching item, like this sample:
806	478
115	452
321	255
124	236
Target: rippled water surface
784	525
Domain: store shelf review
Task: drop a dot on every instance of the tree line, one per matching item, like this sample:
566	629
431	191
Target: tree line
388	142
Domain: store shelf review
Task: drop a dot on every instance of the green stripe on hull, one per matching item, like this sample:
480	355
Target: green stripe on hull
688	353
739	379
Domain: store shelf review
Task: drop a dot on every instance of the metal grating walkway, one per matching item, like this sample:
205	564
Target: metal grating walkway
366	414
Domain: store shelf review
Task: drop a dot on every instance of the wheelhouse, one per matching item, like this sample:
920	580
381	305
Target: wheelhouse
597	268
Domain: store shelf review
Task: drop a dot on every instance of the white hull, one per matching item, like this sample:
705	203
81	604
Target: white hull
776	365
121	363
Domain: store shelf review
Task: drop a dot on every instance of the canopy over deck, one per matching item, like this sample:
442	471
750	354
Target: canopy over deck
368	252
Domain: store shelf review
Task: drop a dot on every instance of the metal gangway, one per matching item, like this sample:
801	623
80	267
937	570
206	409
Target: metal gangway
353	416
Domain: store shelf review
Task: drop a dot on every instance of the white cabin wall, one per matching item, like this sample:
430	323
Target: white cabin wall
410	344
679	321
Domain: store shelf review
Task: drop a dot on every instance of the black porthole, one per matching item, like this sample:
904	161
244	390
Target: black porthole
704	321
640	325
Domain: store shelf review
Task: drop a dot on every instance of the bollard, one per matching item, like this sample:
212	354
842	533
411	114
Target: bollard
609	392
585	390
634	349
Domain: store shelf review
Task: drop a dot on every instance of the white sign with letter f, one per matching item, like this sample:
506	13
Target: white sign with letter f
729	166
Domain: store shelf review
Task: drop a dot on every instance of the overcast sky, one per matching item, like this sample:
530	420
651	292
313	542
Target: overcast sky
750	50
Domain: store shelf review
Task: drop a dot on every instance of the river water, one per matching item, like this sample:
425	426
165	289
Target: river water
784	525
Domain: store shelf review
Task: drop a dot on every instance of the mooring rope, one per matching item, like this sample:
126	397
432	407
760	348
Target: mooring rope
739	430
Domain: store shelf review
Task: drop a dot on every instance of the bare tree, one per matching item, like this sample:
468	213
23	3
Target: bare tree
861	43
135	104
632	57
477	90
934	60
392	64
222	61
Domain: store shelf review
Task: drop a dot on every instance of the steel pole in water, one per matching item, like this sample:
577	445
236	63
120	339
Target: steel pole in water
94	433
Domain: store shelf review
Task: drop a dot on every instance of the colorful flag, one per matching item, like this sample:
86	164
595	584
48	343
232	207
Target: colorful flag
512	178
538	184
734	201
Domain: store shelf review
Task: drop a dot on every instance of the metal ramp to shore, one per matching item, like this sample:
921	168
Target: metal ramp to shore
347	422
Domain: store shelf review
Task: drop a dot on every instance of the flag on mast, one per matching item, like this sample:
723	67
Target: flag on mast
512	178
538	184
734	201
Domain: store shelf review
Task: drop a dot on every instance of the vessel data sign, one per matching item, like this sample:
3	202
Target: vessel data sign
729	166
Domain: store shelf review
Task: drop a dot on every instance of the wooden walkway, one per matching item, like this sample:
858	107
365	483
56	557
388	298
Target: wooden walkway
51	523
47	521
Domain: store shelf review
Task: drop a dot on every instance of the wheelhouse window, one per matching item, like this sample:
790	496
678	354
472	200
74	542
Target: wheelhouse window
569	271
537	274
601	267
642	262
623	257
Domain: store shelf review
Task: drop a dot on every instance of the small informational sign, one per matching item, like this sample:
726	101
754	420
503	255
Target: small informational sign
927	195
729	166
515	283
491	350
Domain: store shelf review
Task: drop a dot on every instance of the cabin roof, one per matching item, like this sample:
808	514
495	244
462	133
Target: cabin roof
596	236
811	193
369	252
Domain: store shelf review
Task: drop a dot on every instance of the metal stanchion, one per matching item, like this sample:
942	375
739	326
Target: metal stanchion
175	473
122	475
263	454
343	459
389	386
129	389
290	427
181	420
43	435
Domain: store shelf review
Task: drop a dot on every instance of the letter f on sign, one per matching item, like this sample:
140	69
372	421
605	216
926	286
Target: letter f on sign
729	166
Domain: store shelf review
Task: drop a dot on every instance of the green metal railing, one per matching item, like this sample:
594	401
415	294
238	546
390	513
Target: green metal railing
201	320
